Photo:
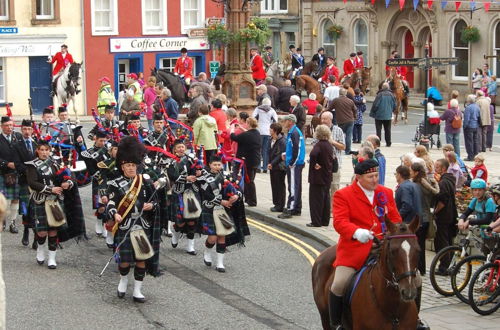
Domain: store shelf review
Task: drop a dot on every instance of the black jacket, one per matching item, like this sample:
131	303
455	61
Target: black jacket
24	156
8	153
249	146
283	101
322	154
275	152
448	214
300	113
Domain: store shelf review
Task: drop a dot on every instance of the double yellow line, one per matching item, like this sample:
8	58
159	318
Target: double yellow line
307	250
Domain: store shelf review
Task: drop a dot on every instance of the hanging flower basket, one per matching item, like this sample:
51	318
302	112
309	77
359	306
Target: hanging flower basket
335	31
470	34
257	32
219	36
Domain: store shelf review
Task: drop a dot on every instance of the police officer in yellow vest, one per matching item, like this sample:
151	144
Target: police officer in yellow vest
135	86
105	96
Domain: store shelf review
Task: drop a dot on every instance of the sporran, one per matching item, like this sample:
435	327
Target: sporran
223	223
55	213
140	242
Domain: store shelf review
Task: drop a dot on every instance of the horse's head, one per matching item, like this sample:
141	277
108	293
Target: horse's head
400	254
75	71
365	79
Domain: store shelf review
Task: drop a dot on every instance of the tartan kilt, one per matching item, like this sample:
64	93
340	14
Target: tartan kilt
12	192
126	249
24	199
39	216
206	222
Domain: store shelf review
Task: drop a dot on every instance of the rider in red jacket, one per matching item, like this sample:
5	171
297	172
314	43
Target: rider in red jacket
184	66
62	59
330	69
257	66
349	64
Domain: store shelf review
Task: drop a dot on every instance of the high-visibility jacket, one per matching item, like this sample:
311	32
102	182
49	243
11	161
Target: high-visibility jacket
138	91
105	96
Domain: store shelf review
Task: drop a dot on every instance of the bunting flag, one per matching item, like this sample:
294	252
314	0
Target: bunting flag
472	6
373	2
457	5
345	1
387	2
415	4
487	6
443	4
429	4
401	4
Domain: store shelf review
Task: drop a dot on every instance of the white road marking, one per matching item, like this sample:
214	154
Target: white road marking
406	247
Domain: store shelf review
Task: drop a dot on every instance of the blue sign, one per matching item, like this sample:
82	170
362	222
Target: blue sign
9	30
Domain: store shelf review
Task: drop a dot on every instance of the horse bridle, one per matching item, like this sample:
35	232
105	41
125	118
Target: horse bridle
396	278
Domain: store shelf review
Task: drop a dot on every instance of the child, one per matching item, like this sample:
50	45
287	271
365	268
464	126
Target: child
360	102
479	171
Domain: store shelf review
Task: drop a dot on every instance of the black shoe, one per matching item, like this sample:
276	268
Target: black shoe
34	246
275	209
422	326
193	253
220	270
264	171
120	294
251	204
335	308
258	170
139	300
40	262
26	237
13	228
468	159
52	267
295	213
110	246
312	225
285	215
388	145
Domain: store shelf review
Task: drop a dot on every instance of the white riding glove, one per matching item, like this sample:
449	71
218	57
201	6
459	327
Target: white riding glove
363	235
320	79
182	76
176	73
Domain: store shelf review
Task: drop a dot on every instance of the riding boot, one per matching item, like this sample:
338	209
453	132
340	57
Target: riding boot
335	305
420	325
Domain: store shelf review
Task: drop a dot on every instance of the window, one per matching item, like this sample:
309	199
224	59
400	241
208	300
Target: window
329	43
361	38
104	17
2	80
496	51
460	50
193	14
168	63
273	6
4	10
290	39
44	9
154	17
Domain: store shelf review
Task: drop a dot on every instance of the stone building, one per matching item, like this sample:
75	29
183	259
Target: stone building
377	30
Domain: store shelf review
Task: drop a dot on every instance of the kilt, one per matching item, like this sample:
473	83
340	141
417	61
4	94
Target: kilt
24	199
12	192
206	222
38	214
126	249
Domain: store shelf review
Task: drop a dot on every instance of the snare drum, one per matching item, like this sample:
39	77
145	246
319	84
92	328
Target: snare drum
82	175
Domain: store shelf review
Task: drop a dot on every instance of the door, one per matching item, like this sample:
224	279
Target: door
40	83
123	71
409	53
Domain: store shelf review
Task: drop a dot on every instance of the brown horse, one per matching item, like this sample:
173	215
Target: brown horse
360	79
308	69
386	292
310	85
398	90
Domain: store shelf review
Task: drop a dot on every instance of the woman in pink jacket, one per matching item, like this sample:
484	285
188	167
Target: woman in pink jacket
149	98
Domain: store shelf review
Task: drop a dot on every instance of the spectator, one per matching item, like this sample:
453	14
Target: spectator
249	150
408	195
220	118
421	152
331	92
350	91
454	168
298	110
382	109
204	130
479	170
311	104
453	96
477	79
429	189
261	91
129	106
320	177
294	161
202	77
168	103
485	118
272	91
472	130
449	148
492	90
445	214
149	99
265	116
345	114
408	159
196	94
379	157
434	96
284	96
491	128
227	150
452	118
360	102
223	99
338	143
482	205
239	127
216	86
277	167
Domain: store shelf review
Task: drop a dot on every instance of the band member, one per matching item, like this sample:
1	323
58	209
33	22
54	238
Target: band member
297	63
69	133
268	57
349	65
211	187
48	117
158	137
359	61
25	149
134	128
331	69
9	163
109	122
356	221
184	67
131	207
105	96
62	59
47	182
257	66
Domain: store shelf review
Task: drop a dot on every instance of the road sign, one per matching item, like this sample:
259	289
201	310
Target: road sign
198	33
437	61
9	30
214	68
402	61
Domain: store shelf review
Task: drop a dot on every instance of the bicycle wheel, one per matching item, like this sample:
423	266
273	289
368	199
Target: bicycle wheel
442	283
462	273
484	289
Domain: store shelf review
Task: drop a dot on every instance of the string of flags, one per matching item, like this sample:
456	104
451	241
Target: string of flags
473	4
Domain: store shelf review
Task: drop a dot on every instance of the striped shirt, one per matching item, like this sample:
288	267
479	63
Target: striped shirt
337	136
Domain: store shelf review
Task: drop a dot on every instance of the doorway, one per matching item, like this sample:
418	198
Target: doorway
409	52
40	83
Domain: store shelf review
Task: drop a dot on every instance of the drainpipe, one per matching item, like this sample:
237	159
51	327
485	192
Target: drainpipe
84	78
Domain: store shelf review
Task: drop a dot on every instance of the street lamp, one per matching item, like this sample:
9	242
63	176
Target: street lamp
424	140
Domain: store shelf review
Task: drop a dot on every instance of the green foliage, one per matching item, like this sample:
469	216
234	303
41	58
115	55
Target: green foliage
335	31
219	36
470	34
257	32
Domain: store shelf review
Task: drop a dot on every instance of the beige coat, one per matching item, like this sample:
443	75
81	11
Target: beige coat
484	107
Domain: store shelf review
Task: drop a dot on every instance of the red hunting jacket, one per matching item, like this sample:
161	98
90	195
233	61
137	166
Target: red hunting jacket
185	68
61	62
352	210
331	71
257	65
348	67
359	63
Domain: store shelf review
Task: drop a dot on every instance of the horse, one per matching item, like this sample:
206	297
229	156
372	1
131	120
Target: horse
386	291
66	85
360	79
173	83
310	85
309	69
397	88
275	71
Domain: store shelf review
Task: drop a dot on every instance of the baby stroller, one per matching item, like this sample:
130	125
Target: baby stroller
433	129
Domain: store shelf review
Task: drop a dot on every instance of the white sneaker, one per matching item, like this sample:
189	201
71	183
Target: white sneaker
52	260
40	254
175	239
207	257
220	263
190	247
138	296
98	227
122	286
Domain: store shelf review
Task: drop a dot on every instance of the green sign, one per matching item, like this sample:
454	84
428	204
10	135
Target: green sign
214	66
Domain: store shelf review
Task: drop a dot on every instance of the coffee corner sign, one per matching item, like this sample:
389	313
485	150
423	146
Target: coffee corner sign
158	44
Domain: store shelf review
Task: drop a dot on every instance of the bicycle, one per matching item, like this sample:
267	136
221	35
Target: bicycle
454	253
464	269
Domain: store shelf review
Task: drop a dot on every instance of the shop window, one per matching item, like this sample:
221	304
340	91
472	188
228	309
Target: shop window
2	80
328	42
496	51
104	17
361	38
274	6
168	63
45	12
192	14
460	49
154	17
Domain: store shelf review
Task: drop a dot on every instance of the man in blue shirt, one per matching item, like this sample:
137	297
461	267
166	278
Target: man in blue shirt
294	161
471	128
408	195
379	157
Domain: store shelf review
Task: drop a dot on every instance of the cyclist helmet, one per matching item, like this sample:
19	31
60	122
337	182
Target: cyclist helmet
478	184
495	189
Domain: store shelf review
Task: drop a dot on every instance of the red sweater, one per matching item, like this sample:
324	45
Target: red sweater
480	172
311	106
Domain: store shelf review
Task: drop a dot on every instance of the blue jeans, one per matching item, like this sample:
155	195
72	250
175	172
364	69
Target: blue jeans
357	133
454	139
265	141
347	129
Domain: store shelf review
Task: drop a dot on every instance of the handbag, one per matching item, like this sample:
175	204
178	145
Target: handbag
55	215
140	243
431	230
223	223
192	207
10	179
335	165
